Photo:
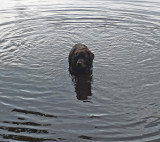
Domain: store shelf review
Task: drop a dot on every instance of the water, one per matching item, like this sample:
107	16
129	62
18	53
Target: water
40	101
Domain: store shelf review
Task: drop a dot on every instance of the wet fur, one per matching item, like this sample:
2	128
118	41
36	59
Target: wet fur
80	59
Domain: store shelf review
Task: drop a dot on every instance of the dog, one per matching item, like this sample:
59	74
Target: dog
80	59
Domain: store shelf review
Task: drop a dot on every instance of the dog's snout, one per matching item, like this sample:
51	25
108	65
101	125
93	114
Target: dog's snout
79	64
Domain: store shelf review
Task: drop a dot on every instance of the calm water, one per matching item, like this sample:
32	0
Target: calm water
40	101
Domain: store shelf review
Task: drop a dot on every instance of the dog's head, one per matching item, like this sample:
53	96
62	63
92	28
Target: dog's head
82	59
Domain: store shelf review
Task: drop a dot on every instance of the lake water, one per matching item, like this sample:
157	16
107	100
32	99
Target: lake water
40	100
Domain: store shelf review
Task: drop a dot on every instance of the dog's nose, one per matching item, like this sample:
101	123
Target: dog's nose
79	64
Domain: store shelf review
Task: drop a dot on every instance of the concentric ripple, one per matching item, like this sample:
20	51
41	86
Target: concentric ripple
38	96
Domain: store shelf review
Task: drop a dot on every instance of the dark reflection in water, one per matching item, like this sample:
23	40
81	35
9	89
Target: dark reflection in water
82	85
20	130
32	112
25	138
17	129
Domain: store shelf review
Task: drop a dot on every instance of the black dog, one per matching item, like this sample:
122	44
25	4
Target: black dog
80	59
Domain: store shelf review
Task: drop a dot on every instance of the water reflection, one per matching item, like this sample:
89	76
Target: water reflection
20	129
25	130
25	138
82	86
32	112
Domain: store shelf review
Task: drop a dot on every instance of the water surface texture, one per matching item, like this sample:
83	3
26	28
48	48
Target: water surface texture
40	100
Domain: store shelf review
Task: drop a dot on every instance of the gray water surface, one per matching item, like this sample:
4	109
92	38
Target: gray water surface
41	101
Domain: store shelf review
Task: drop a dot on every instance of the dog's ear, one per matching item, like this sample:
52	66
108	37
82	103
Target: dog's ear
91	55
71	54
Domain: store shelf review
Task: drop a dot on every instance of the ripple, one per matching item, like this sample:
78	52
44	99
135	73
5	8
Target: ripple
31	112
38	99
22	138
